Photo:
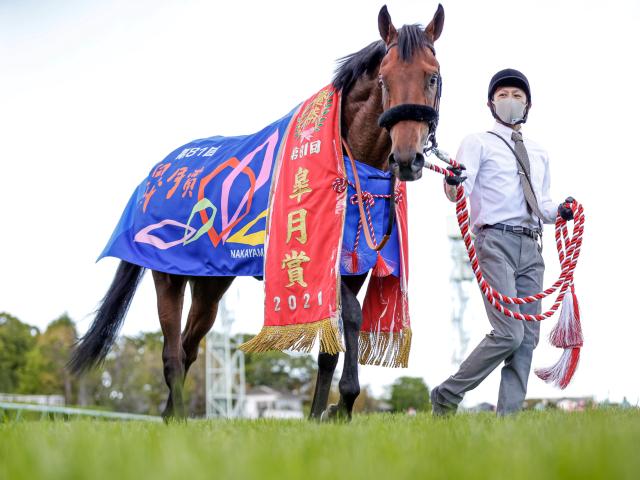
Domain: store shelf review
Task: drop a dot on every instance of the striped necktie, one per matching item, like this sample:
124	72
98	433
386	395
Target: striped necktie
525	177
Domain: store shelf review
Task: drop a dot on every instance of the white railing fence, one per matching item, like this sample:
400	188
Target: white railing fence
48	411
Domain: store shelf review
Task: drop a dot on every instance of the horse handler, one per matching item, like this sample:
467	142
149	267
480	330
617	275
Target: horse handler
507	180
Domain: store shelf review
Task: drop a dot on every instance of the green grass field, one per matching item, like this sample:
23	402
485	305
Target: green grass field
536	445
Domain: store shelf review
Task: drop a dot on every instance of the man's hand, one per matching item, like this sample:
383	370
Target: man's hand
564	210
455	179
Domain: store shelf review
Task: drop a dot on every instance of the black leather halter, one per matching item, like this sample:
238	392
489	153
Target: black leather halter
419	113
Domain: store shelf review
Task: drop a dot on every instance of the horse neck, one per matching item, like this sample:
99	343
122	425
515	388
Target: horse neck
361	108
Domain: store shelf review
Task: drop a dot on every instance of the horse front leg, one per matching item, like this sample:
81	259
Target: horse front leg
349	385
170	298
326	366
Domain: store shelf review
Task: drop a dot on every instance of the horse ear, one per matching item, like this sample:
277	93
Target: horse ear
434	29
387	30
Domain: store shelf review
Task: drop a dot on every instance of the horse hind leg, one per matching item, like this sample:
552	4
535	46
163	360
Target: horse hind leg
206	293
170	298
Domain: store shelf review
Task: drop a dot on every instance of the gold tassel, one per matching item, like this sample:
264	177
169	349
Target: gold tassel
405	348
330	341
387	349
300	338
364	347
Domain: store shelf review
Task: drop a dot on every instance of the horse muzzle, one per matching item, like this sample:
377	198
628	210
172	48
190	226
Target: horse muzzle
406	168
407	165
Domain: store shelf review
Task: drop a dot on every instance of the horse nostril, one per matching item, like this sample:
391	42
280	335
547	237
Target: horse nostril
418	162
392	159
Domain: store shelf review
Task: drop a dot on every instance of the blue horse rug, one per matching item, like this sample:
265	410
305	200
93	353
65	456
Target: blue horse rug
202	210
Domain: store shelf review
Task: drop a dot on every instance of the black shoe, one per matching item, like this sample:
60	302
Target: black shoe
439	409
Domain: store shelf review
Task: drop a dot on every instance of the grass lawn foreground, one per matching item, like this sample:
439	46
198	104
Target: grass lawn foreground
602	443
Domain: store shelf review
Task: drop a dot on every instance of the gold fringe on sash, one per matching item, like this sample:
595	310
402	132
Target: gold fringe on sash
388	349
300	338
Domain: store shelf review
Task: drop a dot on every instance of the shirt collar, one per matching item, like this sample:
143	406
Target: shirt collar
503	130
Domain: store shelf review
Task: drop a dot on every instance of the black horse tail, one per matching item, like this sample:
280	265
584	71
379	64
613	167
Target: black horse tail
93	347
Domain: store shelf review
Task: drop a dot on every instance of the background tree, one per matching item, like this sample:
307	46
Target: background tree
368	403
45	371
293	373
16	340
131	378
409	392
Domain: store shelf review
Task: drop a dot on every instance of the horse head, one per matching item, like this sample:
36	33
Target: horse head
409	77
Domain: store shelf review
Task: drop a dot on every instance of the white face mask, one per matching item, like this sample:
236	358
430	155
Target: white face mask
509	110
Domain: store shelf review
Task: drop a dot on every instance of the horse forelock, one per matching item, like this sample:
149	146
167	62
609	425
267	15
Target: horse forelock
411	38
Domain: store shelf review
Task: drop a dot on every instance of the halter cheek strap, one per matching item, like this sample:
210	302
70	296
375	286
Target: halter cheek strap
389	47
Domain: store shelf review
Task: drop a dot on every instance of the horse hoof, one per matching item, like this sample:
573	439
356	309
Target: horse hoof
173	419
173	415
335	414
166	415
329	414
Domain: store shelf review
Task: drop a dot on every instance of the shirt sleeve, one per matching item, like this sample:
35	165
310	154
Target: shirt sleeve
469	154
548	207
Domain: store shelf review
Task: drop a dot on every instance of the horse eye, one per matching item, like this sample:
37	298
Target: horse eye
433	81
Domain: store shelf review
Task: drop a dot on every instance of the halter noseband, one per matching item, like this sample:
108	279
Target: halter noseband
415	112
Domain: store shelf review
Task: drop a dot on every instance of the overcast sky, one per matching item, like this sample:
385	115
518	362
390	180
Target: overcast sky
92	94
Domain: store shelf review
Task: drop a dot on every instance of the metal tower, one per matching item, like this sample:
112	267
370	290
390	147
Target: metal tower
461	280
225	384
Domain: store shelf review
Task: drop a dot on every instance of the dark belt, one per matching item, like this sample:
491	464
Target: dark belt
515	229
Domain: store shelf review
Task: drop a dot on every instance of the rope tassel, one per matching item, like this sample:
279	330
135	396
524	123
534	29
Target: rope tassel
382	268
350	261
567	333
561	373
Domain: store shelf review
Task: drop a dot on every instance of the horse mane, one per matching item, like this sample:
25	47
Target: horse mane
350	68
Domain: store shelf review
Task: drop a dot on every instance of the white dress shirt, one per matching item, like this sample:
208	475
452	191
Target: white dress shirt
493	183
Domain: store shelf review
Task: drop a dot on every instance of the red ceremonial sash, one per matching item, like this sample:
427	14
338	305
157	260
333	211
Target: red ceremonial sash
303	248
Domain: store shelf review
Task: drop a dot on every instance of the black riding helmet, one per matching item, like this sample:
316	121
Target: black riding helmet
510	77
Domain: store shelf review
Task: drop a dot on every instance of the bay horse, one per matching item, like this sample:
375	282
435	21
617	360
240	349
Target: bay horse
394	82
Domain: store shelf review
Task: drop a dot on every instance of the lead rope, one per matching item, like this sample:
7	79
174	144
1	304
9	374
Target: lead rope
567	333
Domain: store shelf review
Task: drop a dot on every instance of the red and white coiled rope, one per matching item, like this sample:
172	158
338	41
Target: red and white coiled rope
567	334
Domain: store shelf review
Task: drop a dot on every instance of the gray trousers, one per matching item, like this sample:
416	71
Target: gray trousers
513	265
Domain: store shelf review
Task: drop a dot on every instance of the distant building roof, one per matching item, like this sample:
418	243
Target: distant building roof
264	390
